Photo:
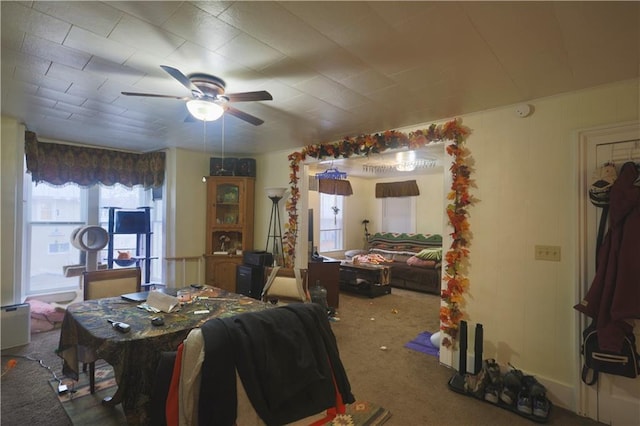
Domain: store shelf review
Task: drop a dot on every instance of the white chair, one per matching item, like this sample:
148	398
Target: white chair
108	283
284	285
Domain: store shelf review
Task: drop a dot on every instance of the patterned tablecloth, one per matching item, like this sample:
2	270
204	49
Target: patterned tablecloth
86	336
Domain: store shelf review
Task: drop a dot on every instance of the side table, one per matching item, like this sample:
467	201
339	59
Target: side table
328	273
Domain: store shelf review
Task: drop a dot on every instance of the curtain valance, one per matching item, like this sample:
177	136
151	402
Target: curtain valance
407	188
335	186
59	164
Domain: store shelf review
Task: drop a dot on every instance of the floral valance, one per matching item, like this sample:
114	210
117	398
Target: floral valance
59	164
407	188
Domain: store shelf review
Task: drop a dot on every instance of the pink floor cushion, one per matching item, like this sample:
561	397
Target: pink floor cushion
44	316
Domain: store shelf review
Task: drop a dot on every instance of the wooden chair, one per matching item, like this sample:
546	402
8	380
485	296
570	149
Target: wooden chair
285	285
108	283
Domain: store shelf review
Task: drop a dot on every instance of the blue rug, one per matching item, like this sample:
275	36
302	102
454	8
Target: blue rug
423	344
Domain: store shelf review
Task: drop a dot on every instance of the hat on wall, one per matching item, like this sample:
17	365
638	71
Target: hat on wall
601	183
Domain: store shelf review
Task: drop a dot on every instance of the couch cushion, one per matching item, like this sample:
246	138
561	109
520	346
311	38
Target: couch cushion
420	263
430	254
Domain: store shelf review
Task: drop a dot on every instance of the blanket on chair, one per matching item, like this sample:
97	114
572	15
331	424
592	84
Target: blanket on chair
286	357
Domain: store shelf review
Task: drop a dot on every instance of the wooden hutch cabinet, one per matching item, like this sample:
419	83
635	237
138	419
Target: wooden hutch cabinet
230	202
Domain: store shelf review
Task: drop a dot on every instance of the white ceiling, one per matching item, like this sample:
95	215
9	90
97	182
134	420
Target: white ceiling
334	68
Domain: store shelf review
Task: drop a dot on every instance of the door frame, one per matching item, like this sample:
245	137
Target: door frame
588	398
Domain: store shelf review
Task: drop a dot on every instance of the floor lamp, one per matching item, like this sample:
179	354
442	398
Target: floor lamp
275	227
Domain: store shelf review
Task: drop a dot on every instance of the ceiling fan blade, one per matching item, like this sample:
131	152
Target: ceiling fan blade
261	95
244	116
153	95
183	79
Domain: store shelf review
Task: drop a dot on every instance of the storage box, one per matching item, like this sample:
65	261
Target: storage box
16	325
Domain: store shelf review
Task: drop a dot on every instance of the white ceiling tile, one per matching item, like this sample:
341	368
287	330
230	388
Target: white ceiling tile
29	76
289	71
105	93
293	36
104	48
190	23
214	8
52	112
154	12
250	52
62	97
74	109
328	20
192	58
14	58
55	52
121	73
367	81
331	92
78	78
33	21
103	107
146	37
91	15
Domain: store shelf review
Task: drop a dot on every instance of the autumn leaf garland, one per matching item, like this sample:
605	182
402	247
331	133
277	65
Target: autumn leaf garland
456	259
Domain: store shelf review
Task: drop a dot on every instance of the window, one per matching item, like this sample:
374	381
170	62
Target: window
398	214
331	223
52	213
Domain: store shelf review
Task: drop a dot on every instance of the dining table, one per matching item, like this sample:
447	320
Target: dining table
87	335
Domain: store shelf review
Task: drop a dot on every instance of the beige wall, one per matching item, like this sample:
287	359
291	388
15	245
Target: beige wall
526	175
11	160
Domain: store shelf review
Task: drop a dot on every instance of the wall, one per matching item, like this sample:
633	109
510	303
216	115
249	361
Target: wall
528	193
11	161
185	203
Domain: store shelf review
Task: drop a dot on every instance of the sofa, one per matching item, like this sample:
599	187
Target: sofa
415	259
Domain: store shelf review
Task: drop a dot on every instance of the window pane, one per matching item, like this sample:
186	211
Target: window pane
331	235
54	212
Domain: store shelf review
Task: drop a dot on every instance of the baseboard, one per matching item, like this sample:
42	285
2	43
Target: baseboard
560	394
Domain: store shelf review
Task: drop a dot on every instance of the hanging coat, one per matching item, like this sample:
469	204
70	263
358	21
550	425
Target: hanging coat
614	295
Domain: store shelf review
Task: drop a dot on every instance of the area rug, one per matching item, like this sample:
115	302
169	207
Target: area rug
84	408
361	413
422	343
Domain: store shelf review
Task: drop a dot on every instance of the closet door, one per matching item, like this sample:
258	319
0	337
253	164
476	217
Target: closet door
613	400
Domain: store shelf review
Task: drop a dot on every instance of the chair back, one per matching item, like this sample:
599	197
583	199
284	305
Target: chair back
284	284
111	282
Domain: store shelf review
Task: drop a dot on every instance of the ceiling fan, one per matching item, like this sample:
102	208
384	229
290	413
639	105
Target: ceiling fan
208	100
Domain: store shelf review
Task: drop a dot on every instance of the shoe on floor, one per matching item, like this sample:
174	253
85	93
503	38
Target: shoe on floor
541	407
492	393
511	386
524	404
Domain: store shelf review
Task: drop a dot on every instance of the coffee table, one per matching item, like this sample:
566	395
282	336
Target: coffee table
365	278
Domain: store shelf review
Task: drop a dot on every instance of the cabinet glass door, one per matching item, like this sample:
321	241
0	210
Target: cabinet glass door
227	236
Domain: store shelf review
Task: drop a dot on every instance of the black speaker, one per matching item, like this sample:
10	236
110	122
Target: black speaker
250	280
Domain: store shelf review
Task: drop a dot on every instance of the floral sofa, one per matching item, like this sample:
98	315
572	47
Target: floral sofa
415	259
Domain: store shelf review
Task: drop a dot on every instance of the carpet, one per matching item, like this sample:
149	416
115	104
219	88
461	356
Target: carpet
83	408
422	343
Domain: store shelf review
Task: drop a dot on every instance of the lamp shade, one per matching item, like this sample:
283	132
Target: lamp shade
275	192
204	110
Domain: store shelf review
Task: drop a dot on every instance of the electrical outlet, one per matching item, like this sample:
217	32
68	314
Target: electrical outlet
547	253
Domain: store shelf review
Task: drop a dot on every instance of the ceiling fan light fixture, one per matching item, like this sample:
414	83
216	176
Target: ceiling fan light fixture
204	110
